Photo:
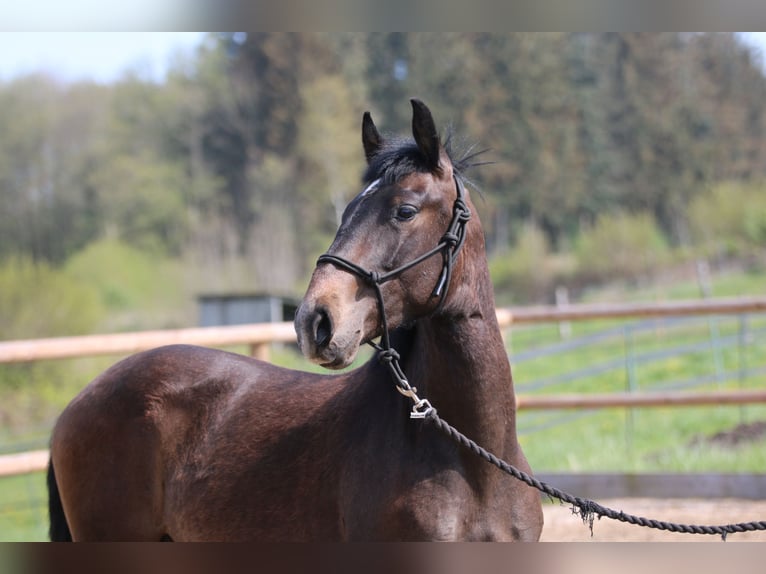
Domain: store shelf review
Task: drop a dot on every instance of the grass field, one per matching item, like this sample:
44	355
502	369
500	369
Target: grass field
626	440
714	353
23	510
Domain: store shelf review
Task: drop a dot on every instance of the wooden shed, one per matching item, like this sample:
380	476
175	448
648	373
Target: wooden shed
242	309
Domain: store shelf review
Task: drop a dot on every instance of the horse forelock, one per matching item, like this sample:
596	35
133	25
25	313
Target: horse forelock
397	159
400	157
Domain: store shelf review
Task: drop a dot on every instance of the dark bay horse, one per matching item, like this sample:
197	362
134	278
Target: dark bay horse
188	443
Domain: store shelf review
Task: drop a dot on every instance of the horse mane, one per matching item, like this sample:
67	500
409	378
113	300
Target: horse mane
400	156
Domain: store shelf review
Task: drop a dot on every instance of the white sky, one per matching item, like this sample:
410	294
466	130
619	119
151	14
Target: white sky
99	56
72	15
757	39
104	56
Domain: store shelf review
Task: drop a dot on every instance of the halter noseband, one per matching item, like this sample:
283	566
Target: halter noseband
449	246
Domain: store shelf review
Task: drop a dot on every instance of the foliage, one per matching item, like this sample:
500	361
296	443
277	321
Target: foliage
138	290
257	135
525	272
730	219
142	202
49	133
37	300
628	247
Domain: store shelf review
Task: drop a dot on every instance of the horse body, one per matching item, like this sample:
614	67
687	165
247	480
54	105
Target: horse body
189	443
206	445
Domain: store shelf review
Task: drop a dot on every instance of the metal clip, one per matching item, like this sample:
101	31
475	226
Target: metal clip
421	414
421	407
409	392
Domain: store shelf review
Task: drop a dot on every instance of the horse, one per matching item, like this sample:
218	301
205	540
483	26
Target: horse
188	443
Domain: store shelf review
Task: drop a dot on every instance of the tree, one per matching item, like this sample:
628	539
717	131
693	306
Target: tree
49	132
388	76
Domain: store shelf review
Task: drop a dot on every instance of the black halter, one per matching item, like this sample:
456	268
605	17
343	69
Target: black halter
449	246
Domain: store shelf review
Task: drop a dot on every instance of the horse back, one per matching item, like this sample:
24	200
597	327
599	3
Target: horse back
150	443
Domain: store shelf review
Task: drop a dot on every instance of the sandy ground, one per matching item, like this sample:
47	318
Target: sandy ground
563	526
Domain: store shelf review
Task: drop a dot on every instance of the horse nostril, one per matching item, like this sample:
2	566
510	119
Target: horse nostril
322	328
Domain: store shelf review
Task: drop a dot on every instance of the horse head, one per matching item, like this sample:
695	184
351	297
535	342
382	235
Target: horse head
384	254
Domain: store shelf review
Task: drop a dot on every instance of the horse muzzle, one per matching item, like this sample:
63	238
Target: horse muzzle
325	341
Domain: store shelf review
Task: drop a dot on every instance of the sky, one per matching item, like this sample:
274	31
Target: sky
102	57
758	40
105	56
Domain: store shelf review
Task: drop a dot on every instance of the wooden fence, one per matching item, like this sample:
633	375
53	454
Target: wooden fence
260	337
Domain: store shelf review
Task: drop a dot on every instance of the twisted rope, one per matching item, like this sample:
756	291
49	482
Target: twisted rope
586	509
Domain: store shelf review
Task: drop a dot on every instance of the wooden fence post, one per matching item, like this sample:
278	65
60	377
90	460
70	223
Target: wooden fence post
260	351
562	302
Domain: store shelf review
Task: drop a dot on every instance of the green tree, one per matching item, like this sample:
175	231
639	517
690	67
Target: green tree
48	133
37	300
330	144
137	178
730	220
388	78
622	246
258	134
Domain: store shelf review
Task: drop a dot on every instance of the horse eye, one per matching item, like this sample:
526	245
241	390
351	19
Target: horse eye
406	212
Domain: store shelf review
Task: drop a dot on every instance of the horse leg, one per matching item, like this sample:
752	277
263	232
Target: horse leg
109	483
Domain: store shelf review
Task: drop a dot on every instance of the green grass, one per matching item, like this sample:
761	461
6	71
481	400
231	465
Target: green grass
23	508
733	284
646	439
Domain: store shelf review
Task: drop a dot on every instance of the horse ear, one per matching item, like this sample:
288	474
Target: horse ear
371	138
424	131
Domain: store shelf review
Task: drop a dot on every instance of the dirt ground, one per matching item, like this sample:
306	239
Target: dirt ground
563	526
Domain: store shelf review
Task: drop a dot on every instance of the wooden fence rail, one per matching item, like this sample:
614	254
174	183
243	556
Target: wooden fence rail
258	337
585	312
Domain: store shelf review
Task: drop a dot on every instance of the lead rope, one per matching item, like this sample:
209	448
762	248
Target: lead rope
450	246
586	509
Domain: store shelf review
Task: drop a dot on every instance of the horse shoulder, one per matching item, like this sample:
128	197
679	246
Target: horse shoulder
246	447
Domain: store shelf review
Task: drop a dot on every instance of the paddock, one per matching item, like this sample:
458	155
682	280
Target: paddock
561	525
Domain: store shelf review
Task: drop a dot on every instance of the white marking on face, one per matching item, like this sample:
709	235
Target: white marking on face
372	188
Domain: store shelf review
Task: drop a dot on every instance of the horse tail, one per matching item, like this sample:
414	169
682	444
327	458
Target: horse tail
59	529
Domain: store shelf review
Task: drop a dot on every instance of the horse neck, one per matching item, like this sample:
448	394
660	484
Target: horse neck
459	361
